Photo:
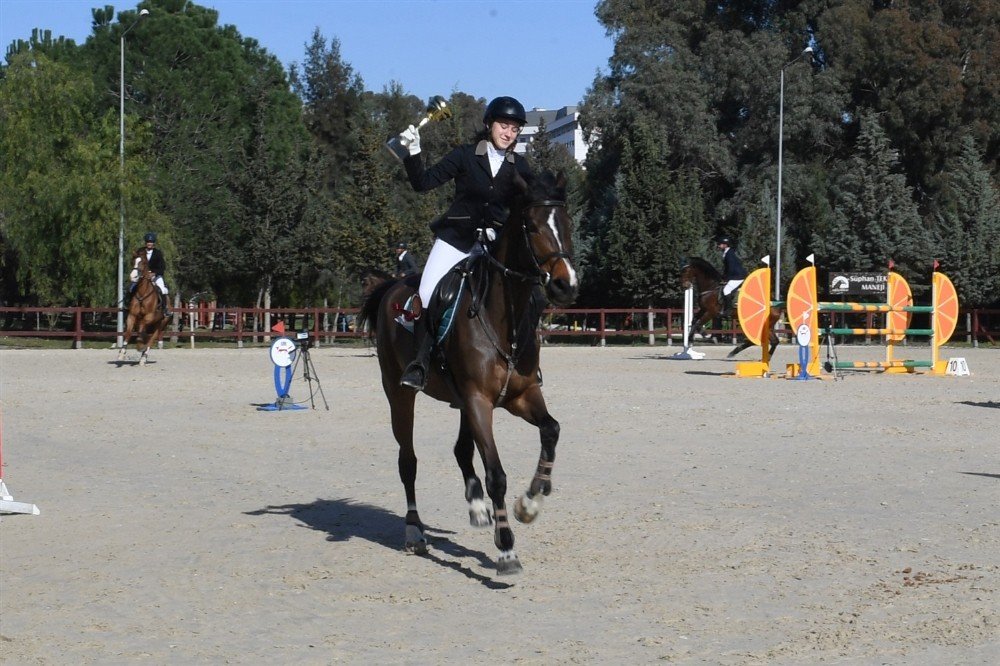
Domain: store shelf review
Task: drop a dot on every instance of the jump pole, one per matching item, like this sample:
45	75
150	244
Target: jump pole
688	354
804	308
7	503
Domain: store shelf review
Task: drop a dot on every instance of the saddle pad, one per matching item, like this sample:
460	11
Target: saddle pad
402	320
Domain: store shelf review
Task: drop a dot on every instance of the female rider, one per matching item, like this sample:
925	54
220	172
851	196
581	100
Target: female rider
483	172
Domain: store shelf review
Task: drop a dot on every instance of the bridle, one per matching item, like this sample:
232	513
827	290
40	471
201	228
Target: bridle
540	277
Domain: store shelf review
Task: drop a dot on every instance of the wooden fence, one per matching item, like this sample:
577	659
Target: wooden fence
596	326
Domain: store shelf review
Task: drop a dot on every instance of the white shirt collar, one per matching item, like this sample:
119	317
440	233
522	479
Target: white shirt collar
495	157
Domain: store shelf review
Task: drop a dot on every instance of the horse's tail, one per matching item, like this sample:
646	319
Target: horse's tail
368	317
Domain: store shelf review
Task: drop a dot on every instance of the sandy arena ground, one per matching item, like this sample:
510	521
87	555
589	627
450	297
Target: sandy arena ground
696	518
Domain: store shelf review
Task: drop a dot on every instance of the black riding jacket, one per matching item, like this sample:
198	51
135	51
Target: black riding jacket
481	200
156	262
732	267
406	265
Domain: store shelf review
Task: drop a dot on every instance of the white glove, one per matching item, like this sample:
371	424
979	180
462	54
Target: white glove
410	139
491	234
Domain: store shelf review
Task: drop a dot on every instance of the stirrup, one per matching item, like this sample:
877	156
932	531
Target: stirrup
414	377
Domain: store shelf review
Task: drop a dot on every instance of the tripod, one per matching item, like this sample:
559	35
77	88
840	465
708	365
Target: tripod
309	374
831	353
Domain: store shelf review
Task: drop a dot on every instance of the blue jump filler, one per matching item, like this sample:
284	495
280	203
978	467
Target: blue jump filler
282	353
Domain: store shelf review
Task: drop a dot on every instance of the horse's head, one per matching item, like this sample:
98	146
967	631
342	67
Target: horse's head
372	278
139	262
547	231
699	274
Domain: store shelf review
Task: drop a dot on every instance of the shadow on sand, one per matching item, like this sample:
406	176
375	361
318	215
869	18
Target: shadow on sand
345	519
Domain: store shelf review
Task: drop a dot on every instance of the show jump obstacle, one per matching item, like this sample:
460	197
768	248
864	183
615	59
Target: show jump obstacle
803	307
7	503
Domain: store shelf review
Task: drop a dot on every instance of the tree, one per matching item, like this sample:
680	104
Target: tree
658	222
331	92
60	182
877	219
968	226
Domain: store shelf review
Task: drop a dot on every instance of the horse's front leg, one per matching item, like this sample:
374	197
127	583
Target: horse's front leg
479	513
480	418
697	322
127	336
531	407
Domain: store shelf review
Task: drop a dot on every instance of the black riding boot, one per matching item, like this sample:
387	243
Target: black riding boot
727	303
163	302
415	375
127	301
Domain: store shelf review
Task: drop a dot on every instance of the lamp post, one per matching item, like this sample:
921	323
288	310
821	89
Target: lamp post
781	132
121	189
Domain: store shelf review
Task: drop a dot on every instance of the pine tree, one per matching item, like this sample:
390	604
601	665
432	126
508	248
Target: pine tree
877	219
968	228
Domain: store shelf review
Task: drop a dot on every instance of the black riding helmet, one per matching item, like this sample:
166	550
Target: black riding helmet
150	237
507	108
724	239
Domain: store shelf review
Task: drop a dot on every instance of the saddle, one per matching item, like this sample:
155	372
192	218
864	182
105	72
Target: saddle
444	301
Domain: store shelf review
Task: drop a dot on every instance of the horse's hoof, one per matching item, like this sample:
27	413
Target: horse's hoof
416	543
508	564
479	514
526	508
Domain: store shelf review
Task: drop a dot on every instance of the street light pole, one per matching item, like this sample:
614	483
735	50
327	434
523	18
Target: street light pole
121	189
781	134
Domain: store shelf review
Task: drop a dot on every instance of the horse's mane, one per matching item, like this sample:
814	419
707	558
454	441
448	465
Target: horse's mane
705	267
368	316
545	186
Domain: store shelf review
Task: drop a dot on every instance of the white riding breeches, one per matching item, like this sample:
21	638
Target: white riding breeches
159	283
731	286
441	260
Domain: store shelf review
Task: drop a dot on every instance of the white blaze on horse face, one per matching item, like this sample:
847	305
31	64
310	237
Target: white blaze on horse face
555	233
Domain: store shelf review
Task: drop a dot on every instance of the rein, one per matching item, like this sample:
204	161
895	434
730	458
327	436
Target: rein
540	278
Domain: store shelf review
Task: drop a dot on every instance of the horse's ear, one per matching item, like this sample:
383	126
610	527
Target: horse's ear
561	179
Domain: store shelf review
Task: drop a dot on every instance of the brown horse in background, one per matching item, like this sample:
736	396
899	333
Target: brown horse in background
145	318
707	283
489	360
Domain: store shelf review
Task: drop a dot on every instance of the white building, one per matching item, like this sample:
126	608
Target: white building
563	128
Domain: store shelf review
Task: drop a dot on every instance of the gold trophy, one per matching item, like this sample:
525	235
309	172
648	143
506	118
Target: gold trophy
437	109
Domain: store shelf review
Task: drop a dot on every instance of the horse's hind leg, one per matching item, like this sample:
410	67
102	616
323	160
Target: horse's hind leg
401	406
479	513
531	407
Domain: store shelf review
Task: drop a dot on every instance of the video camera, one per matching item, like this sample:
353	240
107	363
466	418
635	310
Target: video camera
303	339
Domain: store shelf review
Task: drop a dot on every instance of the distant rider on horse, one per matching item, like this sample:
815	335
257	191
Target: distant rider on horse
483	172
733	272
157	265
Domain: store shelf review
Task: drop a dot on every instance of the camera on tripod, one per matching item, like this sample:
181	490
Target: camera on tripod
303	339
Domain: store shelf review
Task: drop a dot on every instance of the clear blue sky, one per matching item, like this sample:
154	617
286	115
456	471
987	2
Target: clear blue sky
544	52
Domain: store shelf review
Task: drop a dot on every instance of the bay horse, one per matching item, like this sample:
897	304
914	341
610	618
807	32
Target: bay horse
707	283
489	360
145	318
